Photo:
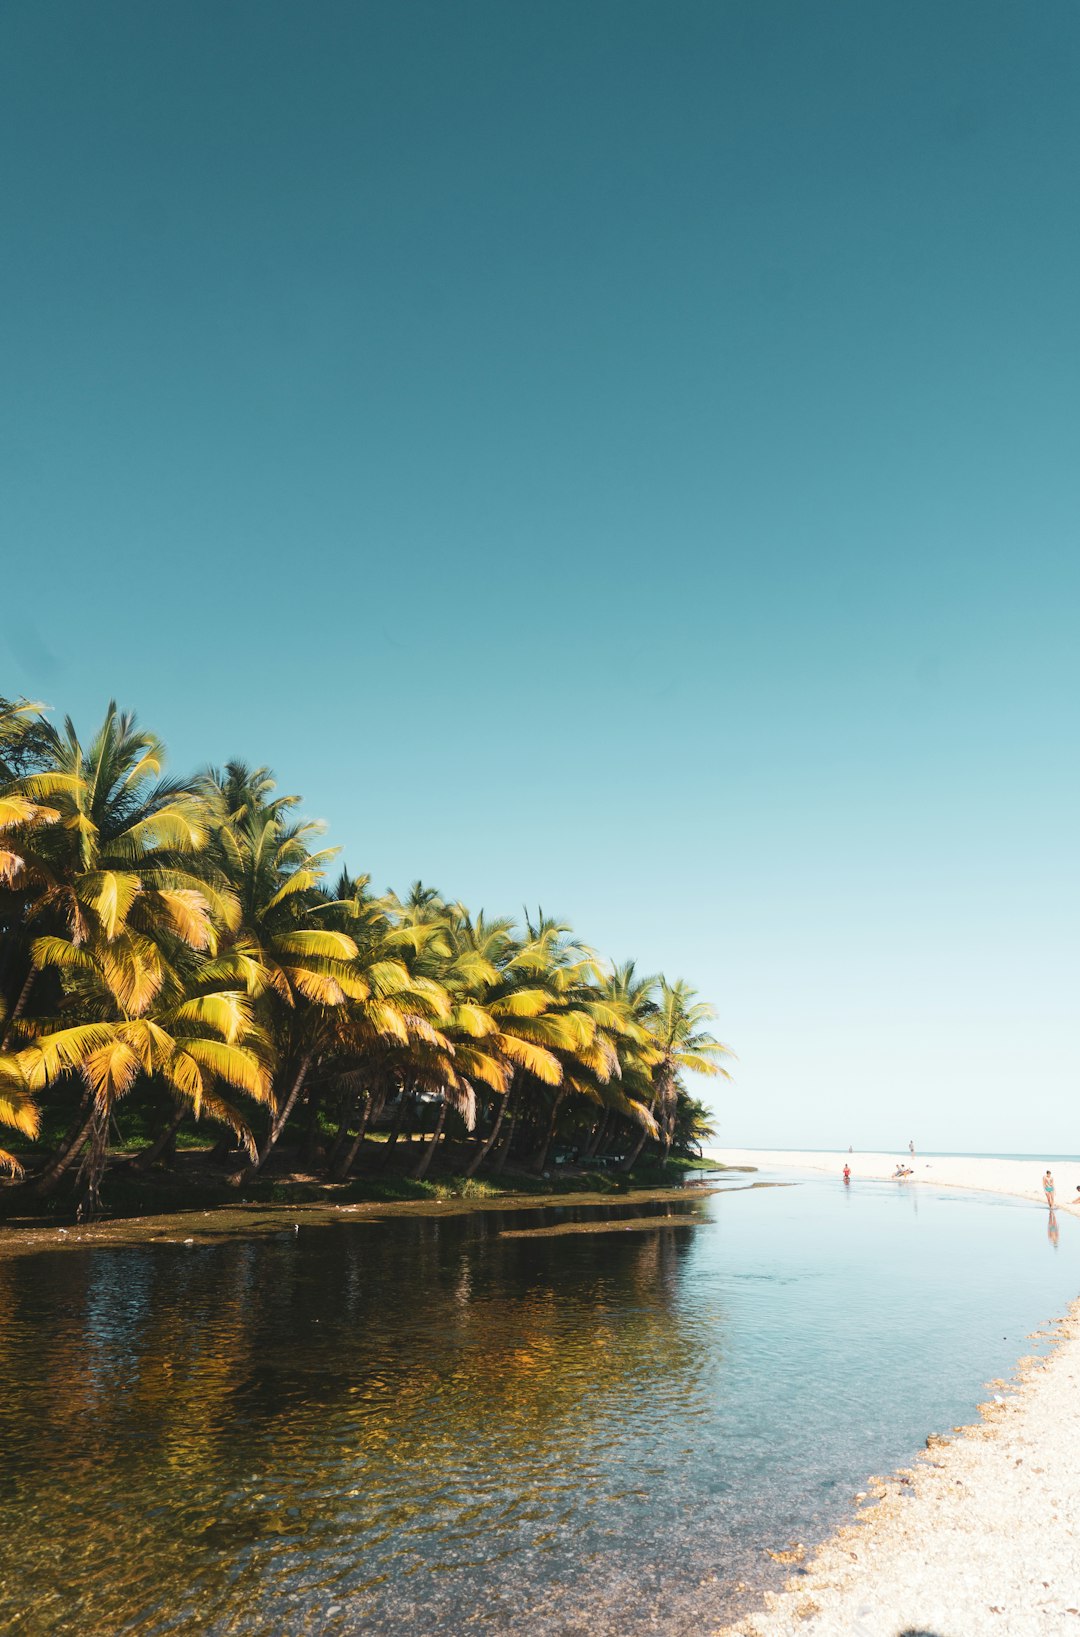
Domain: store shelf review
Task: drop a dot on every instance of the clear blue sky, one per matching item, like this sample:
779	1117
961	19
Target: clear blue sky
615	456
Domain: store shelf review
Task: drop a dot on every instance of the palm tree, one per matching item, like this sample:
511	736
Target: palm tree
682	1043
191	1039
293	965
103	873
109	856
500	1000
392	1030
156	933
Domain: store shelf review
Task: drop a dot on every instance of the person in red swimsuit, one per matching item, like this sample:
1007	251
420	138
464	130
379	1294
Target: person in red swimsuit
847	1173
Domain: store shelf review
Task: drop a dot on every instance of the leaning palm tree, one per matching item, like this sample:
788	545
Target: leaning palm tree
391	1029
104	872
503	1021
682	1043
296	967
193	1043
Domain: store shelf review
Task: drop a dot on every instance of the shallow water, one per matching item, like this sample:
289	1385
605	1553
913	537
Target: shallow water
445	1424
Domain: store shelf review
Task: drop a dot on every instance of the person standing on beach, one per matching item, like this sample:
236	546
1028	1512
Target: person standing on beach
1048	1189
911	1147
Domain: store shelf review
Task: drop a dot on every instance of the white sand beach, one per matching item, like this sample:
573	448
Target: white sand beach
1021	1178
982	1534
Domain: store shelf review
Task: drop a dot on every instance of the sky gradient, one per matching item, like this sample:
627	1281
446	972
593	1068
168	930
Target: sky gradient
616	457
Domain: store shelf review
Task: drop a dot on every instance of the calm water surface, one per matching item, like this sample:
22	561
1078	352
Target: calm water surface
445	1424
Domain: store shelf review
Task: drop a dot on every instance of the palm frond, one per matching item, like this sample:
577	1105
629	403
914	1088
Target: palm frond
110	1071
539	1062
315	941
62	1051
237	1067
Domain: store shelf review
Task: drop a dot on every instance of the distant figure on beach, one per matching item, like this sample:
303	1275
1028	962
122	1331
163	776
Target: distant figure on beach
851	1151
847	1173
911	1147
1048	1189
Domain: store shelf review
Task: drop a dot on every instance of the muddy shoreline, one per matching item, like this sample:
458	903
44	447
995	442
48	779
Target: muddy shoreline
244	1219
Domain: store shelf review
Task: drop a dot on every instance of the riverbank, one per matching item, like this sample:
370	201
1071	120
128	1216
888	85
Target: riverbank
258	1218
980	1537
194	1185
1021	1179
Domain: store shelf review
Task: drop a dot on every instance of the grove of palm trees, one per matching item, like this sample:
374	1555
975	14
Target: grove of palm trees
182	977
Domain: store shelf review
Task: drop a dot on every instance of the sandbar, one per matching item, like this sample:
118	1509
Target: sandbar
1020	1178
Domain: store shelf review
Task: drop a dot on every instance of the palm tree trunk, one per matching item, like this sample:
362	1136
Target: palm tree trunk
493	1136
541	1158
61	1158
346	1160
311	1135
399	1119
94	1160
592	1147
340	1142
277	1124
426	1157
504	1151
19	1007
146	1158
635	1153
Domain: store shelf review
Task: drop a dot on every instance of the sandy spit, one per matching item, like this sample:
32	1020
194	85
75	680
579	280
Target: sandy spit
1020	1178
981	1536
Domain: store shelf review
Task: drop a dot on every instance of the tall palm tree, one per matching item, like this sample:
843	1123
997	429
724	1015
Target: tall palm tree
192	1038
103	872
392	1028
120	865
296	967
682	1043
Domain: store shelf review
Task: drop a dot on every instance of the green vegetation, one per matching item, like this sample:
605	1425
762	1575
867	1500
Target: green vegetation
173	960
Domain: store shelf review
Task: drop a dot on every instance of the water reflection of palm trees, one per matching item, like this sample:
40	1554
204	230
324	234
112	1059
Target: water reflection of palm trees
358	1402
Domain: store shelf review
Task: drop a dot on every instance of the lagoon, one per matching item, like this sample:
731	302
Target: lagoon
457	1423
